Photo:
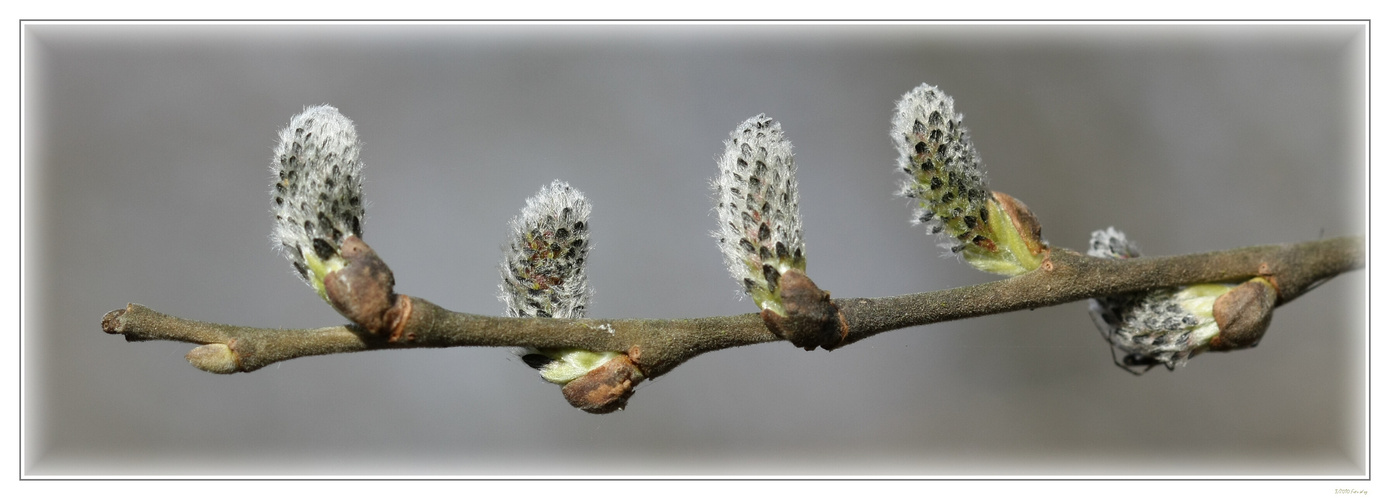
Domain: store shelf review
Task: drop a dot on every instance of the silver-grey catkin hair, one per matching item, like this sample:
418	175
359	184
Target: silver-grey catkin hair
543	264
758	207
316	193
1109	243
1167	325
944	171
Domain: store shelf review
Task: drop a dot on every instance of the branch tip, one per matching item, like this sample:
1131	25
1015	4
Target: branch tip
111	322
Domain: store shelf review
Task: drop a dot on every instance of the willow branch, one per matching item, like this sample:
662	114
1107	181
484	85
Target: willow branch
658	345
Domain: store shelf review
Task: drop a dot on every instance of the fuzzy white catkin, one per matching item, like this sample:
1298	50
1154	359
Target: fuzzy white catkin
543	275
944	171
316	193
1109	243
543	266
758	208
1168	325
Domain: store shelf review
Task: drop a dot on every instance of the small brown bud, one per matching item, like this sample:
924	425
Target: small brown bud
604	389
363	290
812	319
1243	314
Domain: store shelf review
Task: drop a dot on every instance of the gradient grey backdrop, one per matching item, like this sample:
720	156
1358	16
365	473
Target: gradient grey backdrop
147	182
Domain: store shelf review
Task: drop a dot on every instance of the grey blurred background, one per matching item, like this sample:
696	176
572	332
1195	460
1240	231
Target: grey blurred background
147	180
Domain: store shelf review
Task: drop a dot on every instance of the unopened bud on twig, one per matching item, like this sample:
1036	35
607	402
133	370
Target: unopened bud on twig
992	231
543	276
317	191
213	358
1169	326
760	234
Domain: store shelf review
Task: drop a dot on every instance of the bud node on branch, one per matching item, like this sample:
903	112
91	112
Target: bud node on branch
363	291
812	319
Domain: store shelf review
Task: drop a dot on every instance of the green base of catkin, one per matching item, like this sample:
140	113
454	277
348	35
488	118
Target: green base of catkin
571	364
1011	257
319	269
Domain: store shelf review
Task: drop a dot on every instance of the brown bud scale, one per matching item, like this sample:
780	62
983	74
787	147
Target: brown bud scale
604	389
363	291
812	318
1242	315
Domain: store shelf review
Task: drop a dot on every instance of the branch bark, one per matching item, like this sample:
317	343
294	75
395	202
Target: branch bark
658	345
